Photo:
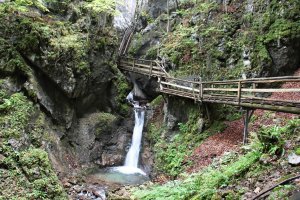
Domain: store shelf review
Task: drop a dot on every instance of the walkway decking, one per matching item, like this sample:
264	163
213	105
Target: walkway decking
247	93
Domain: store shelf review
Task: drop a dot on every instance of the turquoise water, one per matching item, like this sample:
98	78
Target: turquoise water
111	175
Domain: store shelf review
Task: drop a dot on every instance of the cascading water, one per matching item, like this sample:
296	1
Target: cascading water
125	14
129	173
132	156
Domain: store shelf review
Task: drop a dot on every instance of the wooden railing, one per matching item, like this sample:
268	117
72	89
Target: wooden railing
249	93
152	68
252	93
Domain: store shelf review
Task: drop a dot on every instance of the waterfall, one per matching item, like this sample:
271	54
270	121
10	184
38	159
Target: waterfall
125	14
132	156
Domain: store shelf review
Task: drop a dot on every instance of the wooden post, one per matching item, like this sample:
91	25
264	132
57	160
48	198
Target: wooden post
151	67
133	64
253	87
201	91
193	90
239	92
160	85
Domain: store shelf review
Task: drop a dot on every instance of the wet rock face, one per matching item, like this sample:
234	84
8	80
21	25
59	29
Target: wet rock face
155	8
147	85
285	56
101	138
175	111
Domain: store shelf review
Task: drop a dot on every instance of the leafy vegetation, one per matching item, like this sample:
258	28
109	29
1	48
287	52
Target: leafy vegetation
102	6
206	183
24	165
171	151
272	137
210	39
202	185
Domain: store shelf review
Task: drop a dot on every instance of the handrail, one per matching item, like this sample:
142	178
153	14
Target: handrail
240	92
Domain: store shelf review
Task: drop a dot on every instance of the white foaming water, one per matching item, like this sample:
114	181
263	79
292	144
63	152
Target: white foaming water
132	156
126	10
129	98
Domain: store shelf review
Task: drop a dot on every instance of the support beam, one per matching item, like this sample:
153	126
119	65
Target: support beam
246	120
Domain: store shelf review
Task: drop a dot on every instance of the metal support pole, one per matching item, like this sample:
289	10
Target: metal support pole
247	118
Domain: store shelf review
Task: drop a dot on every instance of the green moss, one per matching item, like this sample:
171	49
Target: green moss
282	192
122	91
25	173
29	171
157	101
15	111
136	46
217	52
297	151
105	123
10	59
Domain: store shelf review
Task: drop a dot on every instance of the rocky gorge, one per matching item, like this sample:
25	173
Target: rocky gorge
63	106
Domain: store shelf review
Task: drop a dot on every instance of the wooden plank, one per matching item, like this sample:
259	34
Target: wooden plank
222	89
285	78
142	71
179	86
271	90
182	80
270	99
140	65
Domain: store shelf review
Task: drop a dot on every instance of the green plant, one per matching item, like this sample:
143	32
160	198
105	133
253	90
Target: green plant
202	185
272	137
297	151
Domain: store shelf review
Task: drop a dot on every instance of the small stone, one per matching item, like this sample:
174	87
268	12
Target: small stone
15	144
77	188
257	190
2	157
99	192
294	159
73	180
66	184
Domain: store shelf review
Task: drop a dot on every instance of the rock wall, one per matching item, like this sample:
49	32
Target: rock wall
221	39
61	56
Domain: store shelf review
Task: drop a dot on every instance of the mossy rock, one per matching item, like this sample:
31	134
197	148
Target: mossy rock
106	123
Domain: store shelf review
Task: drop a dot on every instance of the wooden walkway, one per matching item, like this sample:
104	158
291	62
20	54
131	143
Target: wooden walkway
247	93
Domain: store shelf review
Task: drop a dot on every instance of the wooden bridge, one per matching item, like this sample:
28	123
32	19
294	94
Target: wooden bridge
250	94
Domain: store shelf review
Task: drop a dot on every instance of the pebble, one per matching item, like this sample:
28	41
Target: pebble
294	159
257	190
2	157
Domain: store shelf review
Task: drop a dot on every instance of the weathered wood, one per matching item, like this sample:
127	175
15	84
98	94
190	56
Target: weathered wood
140	65
239	92
257	80
178	86
151	67
271	90
233	92
222	89
142	71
